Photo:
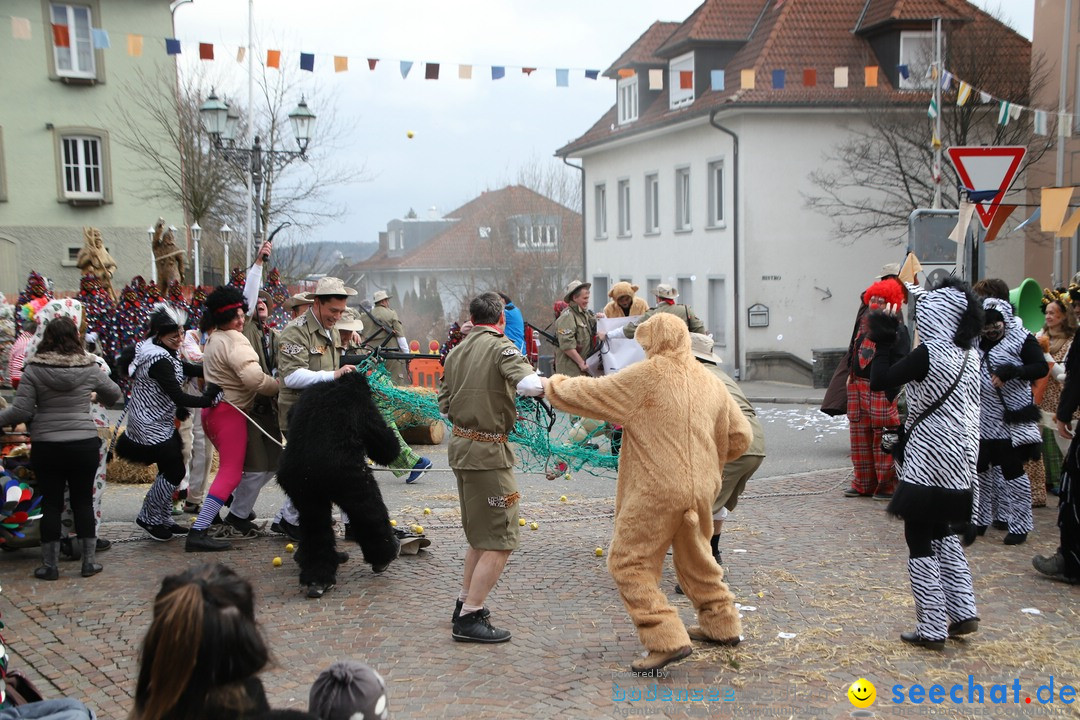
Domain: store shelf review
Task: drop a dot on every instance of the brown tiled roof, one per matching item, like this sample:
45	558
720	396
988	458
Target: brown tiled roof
461	245
879	12
715	20
794	35
643	51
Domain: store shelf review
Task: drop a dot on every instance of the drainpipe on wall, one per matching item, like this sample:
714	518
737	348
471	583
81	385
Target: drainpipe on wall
581	169
735	240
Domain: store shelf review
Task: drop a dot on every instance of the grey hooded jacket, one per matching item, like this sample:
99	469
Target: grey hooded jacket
54	397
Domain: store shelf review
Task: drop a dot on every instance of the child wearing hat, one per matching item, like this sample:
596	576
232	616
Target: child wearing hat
349	689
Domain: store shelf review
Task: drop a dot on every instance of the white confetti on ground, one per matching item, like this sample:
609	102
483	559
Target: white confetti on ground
805	418
1031	611
785	635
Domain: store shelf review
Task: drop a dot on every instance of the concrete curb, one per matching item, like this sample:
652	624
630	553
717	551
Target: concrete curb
767	400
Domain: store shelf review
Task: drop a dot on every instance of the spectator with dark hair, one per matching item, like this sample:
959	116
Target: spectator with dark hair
201	657
157	401
230	362
56	389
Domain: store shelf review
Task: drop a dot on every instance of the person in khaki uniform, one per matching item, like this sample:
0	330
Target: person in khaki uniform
388	331
665	303
480	380
574	331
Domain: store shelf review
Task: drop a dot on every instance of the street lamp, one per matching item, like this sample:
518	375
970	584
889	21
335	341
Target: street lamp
226	232
220	121
196	233
153	258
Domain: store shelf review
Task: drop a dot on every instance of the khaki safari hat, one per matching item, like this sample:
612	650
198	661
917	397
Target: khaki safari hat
331	286
297	300
663	290
702	347
350	322
889	269
266	298
573	287
380	295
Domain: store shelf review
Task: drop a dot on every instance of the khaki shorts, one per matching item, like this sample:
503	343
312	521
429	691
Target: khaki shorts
736	473
481	493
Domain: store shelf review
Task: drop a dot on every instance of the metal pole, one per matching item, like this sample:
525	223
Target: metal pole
198	262
251	119
225	278
257	180
937	121
1062	98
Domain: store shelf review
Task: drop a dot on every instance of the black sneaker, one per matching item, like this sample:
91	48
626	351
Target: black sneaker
476	627
176	529
317	590
963	627
244	525
999	525
200	541
284	527
161	533
457	611
1015	538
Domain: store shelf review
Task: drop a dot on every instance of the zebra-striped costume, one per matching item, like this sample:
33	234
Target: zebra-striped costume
151	413
1005	443
938	476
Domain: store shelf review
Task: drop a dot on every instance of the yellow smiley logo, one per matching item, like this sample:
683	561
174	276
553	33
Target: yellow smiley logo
862	693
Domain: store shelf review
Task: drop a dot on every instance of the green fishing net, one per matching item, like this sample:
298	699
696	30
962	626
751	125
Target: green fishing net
546	442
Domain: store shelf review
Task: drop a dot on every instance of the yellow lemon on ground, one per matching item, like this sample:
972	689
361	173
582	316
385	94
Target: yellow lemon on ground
862	693
410	134
599	552
568	476
418	529
290	547
277	562
521	522
534	525
427	511
562	499
393	523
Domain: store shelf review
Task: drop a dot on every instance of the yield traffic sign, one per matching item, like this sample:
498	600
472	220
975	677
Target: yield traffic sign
985	169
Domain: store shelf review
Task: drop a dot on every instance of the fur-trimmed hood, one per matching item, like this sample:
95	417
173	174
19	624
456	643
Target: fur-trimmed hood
61	372
55	359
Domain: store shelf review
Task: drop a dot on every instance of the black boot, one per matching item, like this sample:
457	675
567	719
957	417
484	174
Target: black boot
200	541
69	548
50	556
476	627
89	549
715	543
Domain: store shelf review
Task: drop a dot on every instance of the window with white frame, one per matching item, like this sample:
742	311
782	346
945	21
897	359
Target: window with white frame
76	60
652	203
716	193
628	99
600	208
682	198
82	167
680	96
624	208
917	53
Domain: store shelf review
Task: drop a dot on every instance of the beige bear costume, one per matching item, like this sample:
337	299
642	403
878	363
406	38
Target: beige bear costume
637	307
680	427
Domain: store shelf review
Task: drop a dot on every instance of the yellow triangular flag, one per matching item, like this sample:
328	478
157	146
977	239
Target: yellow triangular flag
135	45
341	63
464	72
963	93
747	79
1068	228
1055	203
967	209
840	77
911	268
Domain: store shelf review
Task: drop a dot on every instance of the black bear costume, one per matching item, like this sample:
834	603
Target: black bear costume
332	427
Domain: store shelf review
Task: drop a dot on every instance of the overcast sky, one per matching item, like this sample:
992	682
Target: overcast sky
469	135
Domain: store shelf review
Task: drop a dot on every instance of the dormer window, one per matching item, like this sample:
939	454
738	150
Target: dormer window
628	99
680	94
917	53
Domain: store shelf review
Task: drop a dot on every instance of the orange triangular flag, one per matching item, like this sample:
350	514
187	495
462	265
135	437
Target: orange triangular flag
626	72
1055	203
1068	228
871	76
273	58
60	36
1000	216
206	51
135	45
341	63
911	267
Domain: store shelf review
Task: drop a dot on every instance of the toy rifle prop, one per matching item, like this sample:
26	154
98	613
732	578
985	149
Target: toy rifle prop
543	333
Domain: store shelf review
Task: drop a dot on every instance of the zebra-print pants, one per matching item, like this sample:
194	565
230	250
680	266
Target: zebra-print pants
940	580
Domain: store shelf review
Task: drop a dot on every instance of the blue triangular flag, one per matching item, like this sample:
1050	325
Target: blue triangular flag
904	71
497	72
562	78
406	66
778	78
172	46
101	38
717	77
307	61
978	196
592	74
1034	216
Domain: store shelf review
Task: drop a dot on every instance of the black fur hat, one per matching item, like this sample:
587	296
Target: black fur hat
165	319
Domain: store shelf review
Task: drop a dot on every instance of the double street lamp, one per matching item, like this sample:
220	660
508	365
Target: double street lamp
220	121
196	235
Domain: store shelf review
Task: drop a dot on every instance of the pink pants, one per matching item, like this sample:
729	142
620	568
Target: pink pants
227	429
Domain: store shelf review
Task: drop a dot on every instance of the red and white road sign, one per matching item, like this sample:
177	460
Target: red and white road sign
985	169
